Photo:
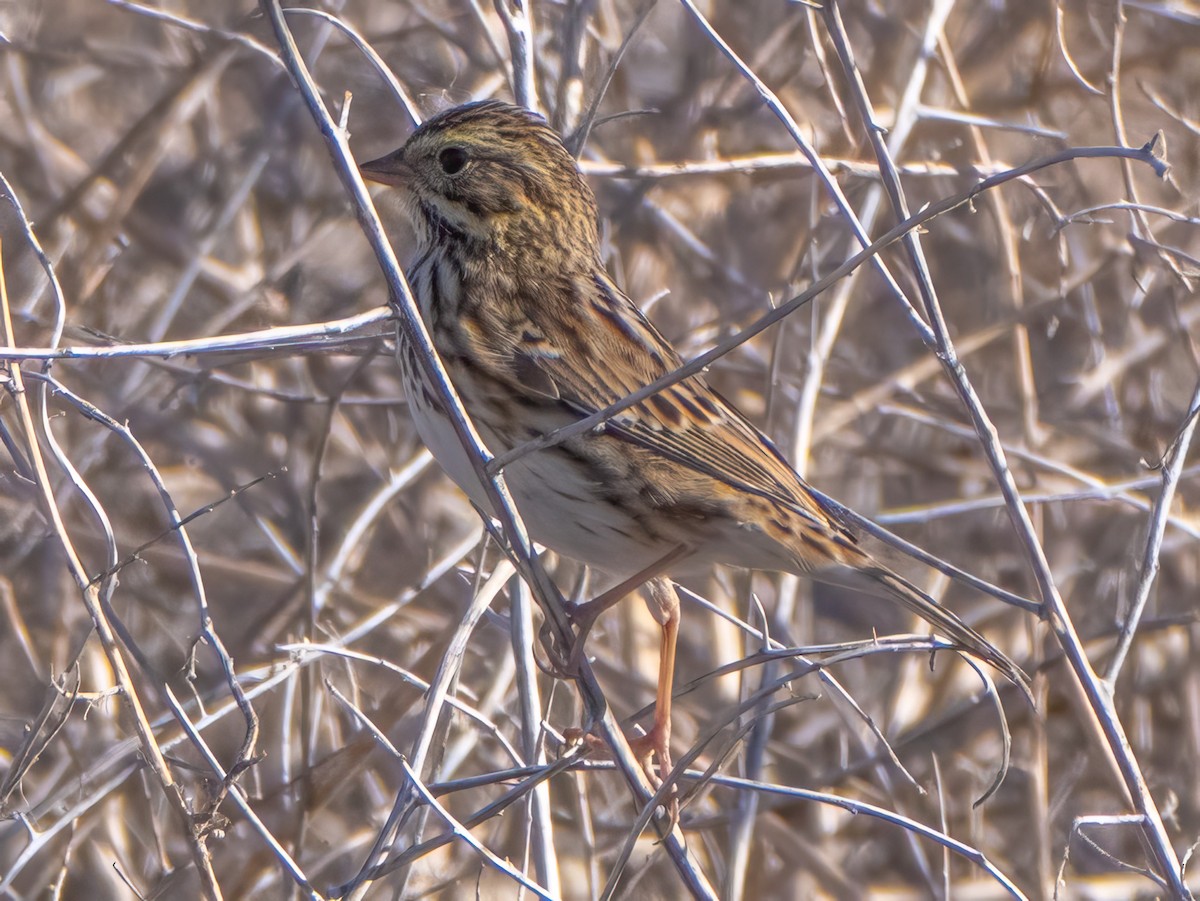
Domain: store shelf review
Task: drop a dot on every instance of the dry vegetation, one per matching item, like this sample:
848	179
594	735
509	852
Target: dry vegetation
181	191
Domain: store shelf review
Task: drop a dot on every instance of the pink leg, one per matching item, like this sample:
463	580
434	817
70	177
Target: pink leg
663	602
584	616
664	606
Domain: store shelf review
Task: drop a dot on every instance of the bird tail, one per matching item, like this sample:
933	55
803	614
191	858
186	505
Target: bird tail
947	624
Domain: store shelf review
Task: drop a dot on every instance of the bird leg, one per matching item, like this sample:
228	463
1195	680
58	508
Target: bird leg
584	615
564	665
663	602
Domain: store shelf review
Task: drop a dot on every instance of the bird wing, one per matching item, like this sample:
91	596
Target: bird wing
603	348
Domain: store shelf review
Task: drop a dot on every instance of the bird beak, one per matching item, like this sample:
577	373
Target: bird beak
387	170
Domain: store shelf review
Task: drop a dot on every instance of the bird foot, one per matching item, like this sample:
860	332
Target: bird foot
654	744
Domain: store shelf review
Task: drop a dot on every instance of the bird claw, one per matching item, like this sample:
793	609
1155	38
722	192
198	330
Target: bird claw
644	748
656	743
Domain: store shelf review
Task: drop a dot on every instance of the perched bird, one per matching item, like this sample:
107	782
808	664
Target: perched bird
535	335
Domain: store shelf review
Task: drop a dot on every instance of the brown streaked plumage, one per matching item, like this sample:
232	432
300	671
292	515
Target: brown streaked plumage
535	335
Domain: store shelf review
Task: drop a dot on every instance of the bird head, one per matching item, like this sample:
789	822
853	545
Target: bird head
495	173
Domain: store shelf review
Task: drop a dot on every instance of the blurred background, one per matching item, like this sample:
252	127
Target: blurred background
182	192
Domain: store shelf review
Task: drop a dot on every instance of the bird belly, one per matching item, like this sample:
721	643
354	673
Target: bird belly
561	503
566	509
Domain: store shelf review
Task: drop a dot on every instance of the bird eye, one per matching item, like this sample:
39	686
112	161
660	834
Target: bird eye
452	160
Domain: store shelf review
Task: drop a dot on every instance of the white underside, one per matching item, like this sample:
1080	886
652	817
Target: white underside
576	526
584	528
